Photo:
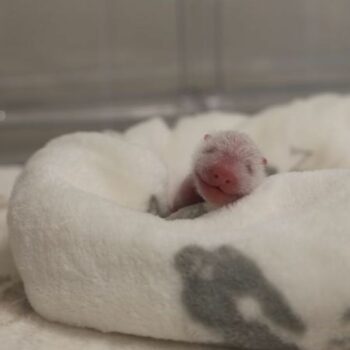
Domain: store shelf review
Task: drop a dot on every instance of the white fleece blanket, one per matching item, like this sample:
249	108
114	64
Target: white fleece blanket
269	272
22	328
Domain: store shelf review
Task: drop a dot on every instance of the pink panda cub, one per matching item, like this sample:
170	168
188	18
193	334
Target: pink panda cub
227	166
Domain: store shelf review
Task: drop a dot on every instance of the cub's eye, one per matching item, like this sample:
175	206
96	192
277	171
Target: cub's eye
210	150
249	168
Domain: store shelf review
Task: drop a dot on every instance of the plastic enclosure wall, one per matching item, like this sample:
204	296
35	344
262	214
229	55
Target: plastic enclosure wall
66	66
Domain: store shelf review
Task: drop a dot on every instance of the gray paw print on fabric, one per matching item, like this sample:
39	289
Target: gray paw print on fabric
213	284
302	154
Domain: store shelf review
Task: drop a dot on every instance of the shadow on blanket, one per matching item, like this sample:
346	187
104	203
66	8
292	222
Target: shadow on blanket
13	301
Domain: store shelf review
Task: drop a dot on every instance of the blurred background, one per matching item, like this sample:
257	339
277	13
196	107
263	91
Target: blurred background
97	64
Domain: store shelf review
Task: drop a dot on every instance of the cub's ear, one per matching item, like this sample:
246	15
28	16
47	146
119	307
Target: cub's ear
207	137
264	161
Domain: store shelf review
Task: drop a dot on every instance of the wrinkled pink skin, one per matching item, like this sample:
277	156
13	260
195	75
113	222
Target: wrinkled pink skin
227	166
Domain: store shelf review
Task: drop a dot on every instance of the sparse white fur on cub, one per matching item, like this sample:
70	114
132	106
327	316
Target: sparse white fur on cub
227	165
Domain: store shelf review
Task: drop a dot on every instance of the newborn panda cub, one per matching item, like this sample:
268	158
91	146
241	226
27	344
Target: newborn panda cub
226	167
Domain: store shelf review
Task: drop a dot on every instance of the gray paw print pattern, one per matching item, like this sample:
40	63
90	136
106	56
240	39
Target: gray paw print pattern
302	155
214	282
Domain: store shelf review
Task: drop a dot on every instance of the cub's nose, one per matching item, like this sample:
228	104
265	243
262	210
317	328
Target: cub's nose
221	175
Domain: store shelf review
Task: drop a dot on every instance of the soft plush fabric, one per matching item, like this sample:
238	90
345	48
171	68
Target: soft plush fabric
22	328
268	272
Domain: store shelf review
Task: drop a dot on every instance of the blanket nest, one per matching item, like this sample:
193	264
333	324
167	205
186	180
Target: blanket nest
268	272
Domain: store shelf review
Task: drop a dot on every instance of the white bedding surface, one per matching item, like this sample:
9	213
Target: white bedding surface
295	244
22	328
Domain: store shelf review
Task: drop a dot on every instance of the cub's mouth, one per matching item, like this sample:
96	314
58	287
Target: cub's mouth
214	194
